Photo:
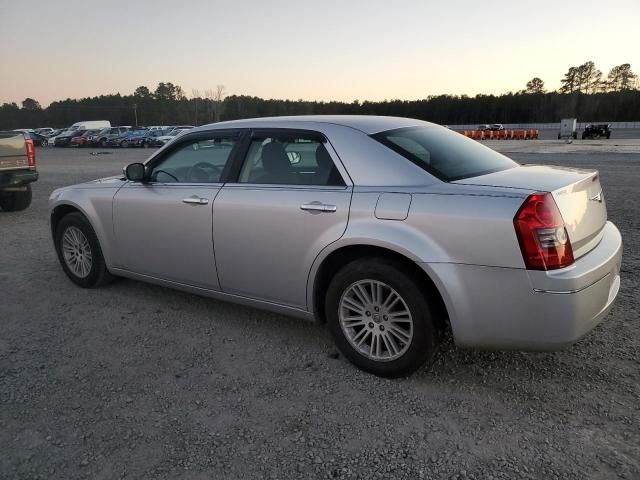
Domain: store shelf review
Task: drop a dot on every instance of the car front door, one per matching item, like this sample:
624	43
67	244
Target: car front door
163	226
289	200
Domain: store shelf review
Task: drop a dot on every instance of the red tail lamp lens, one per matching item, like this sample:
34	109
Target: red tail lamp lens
543	238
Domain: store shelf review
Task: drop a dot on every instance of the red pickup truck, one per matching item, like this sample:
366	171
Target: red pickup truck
17	170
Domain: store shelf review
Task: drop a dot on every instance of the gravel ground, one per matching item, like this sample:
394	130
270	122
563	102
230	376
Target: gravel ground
139	381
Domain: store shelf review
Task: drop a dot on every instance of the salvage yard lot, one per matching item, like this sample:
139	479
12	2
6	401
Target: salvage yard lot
139	381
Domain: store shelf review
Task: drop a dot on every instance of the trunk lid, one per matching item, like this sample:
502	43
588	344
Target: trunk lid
13	153
577	193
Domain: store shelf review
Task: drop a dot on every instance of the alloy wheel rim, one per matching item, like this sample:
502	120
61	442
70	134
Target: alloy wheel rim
376	320
77	252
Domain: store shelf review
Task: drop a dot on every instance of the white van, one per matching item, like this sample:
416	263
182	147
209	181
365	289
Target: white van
90	125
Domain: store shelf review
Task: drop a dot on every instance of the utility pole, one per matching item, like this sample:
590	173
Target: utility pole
135	112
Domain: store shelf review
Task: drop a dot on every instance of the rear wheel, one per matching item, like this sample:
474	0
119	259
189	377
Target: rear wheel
145	144
16	201
79	252
124	144
380	318
103	142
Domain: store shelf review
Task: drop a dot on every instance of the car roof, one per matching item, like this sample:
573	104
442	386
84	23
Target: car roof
368	124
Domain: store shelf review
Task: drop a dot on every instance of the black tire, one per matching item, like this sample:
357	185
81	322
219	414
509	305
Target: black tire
16	201
425	336
608	136
43	143
98	274
575	135
103	142
558	136
124	144
145	144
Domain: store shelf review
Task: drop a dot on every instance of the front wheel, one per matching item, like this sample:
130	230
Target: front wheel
124	144
380	318
79	252
16	201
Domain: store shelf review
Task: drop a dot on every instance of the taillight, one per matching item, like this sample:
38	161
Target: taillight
31	153
542	235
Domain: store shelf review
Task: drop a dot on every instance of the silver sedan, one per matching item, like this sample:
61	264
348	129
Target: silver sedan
390	230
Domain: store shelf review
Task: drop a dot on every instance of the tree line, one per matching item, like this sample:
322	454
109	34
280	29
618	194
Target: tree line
586	78
584	93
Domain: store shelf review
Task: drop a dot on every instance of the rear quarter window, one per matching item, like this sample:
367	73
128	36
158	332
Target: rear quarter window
445	154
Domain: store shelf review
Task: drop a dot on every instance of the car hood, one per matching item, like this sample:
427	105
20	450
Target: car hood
107	182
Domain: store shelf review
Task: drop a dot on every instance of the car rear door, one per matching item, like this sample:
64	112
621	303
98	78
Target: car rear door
163	227
288	201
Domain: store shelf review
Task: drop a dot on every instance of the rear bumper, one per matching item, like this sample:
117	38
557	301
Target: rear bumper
17	178
520	309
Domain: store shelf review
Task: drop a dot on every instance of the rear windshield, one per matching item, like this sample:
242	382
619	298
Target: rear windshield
443	153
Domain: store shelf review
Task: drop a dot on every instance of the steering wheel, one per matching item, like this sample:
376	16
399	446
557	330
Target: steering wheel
204	172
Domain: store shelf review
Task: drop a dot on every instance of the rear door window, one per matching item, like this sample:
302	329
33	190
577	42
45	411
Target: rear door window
445	154
289	158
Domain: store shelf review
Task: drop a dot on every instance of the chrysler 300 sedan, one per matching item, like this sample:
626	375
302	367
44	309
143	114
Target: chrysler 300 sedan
390	230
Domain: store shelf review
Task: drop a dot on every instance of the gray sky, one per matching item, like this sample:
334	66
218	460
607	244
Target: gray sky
316	50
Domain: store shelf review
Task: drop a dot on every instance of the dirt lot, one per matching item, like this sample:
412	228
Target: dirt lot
139	381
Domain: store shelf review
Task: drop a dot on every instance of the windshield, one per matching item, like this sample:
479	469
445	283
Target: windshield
443	153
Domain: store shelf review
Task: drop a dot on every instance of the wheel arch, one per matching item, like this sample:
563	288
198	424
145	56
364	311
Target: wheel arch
65	207
325	268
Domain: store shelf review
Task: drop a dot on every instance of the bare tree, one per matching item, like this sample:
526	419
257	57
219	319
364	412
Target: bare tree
216	102
195	94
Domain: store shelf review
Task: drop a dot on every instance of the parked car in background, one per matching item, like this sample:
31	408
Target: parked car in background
597	130
161	140
55	132
123	140
102	137
496	127
44	131
17	170
182	127
484	127
82	140
90	125
64	140
144	139
52	139
390	230
164	128
38	139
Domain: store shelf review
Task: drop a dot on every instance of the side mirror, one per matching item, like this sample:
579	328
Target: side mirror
134	172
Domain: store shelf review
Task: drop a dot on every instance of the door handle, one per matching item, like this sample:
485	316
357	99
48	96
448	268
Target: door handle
195	200
318	207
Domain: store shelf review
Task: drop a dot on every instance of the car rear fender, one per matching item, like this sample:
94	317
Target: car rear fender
364	229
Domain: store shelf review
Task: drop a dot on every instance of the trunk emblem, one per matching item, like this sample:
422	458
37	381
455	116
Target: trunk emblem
597	197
